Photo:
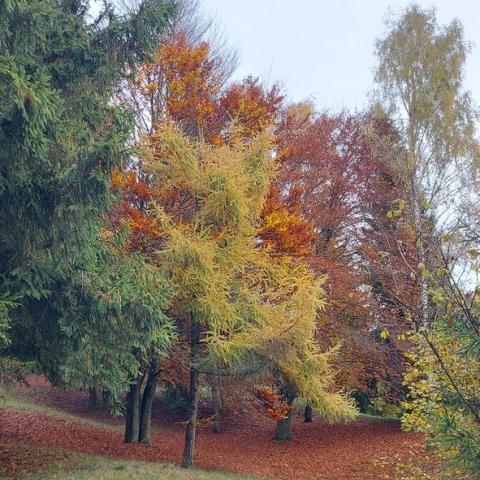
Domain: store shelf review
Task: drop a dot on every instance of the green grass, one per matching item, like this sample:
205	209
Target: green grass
377	418
10	399
85	467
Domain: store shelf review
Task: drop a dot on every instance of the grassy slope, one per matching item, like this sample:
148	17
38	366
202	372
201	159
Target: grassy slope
377	418
85	467
10	399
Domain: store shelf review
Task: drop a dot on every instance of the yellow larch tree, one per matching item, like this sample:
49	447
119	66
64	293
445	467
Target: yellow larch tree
236	300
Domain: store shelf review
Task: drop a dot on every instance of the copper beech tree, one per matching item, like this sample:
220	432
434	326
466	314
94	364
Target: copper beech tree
336	170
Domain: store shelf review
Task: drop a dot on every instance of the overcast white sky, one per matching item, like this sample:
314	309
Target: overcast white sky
325	48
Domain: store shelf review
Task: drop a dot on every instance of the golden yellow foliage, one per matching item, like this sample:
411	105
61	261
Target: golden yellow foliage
247	301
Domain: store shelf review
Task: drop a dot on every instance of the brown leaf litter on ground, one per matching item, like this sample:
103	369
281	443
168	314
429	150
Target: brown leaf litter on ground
318	450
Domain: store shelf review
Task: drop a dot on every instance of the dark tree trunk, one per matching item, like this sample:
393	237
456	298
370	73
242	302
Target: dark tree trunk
308	415
132	417
92	398
193	397
147	402
284	426
189	450
217	402
107	400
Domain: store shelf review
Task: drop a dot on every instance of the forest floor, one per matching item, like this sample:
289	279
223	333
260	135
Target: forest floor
46	429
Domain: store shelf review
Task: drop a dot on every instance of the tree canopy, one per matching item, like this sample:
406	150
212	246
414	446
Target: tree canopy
60	138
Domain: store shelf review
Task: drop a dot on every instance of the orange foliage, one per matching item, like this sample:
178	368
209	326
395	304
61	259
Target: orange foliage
192	81
284	229
185	83
253	106
275	405
144	232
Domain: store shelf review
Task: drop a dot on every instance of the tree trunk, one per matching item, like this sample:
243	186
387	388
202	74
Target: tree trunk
189	450
284	426
423	304
107	400
193	397
217	402
92	398
147	402
308	415
132	418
